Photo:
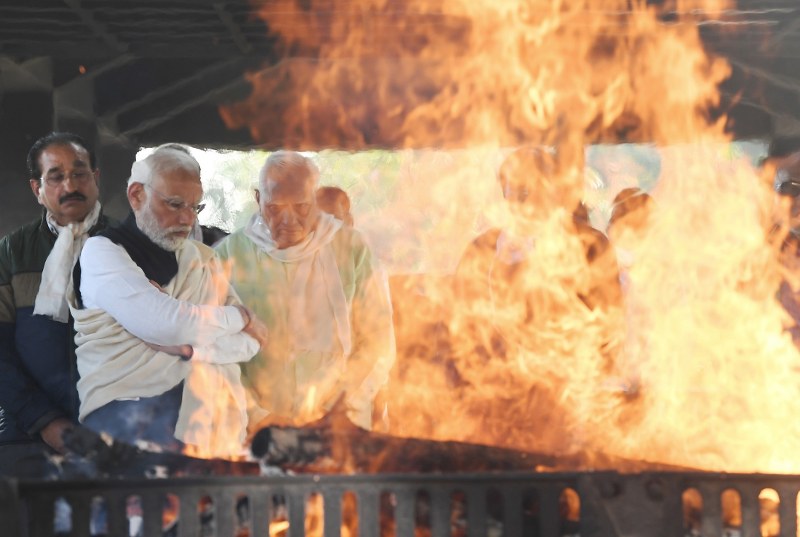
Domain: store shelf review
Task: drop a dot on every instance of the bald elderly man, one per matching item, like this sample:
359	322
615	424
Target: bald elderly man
316	285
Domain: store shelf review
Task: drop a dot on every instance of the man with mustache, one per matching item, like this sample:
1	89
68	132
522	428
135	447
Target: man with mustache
317	286
160	332
38	397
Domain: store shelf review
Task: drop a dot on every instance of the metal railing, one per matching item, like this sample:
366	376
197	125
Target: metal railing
474	505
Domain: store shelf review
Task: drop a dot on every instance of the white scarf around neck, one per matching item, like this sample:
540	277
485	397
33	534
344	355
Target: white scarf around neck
57	270
316	284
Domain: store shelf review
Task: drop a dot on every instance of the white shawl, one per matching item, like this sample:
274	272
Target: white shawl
317	297
114	364
57	272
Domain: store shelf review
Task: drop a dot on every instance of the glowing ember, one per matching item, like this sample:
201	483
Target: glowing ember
278	528
692	365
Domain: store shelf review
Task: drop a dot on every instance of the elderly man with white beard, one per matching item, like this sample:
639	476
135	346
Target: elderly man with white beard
160	332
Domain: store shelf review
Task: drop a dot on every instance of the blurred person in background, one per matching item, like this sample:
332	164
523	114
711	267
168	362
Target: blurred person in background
38	375
335	201
539	202
317	285
630	212
612	168
782	167
541	290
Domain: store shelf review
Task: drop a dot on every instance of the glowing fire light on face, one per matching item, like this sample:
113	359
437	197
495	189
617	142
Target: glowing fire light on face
534	362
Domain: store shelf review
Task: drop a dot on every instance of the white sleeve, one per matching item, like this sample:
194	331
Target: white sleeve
228	349
111	281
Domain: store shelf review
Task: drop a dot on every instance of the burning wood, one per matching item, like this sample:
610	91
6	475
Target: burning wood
335	445
92	455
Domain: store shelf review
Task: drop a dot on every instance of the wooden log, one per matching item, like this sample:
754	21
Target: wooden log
92	455
335	445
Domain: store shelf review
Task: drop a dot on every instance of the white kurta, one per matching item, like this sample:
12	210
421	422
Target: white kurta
123	312
298	380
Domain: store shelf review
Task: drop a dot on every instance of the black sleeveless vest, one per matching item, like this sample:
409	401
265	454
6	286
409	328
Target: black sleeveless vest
158	264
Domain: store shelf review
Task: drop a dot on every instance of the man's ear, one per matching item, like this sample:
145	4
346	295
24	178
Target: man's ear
258	196
36	187
96	173
136	196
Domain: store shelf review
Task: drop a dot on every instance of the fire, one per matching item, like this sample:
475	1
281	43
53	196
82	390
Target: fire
214	429
455	73
277	529
217	420
691	366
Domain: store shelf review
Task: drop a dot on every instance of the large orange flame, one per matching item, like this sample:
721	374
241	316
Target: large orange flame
450	73
692	366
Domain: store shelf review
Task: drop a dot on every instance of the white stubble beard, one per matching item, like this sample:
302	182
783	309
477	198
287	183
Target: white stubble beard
148	225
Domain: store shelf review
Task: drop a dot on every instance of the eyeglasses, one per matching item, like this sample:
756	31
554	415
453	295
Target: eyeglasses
785	184
78	177
789	188
177	205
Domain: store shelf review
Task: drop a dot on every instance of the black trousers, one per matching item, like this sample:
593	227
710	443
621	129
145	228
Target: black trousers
151	419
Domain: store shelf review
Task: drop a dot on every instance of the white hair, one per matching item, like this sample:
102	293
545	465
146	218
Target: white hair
288	165
166	158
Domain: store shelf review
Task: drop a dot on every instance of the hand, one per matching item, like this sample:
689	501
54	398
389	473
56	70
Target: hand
52	433
254	326
184	351
155	284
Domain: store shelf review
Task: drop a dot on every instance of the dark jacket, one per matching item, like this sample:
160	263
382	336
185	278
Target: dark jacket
38	373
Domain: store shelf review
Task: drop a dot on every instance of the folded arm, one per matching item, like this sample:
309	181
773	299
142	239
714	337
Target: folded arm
113	282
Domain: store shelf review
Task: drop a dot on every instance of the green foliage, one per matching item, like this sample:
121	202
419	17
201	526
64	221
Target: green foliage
229	179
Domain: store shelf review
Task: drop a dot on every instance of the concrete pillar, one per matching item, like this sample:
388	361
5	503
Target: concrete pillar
114	158
26	113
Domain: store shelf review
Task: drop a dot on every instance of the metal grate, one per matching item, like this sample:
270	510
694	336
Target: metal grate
511	505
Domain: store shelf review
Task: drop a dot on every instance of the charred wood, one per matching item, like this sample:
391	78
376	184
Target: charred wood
93	455
335	445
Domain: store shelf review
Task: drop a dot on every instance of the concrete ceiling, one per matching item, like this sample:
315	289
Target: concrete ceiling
147	71
151	71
